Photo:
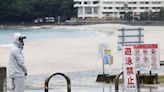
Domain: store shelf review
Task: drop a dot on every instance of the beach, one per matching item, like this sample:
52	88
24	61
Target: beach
77	57
80	54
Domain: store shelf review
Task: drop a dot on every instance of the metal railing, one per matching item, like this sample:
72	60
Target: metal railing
117	82
46	86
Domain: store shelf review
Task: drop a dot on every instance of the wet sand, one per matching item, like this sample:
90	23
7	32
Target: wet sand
80	54
74	56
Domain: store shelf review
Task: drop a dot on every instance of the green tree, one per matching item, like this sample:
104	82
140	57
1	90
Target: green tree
144	16
153	16
160	14
27	10
128	16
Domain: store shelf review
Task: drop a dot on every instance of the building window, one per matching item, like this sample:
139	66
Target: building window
141	7
122	7
88	10
134	7
95	10
146	7
117	8
121	12
158	7
95	2
119	2
130	2
110	12
153	2
107	2
142	3
109	7
158	2
107	13
105	7
154	8
80	10
87	2
78	2
146	2
129	7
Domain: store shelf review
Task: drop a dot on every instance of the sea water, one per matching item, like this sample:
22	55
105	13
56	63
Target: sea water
34	34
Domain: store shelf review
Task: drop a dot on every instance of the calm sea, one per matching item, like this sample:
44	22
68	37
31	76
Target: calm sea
33	34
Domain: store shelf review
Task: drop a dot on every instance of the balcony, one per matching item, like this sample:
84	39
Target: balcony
78	5
88	15
86	5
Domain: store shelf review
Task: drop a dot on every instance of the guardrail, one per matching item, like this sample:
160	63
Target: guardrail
162	62
46	86
117	82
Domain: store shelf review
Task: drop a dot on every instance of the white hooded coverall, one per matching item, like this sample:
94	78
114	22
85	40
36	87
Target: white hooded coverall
17	69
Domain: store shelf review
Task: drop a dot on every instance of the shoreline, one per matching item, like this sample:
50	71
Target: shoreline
131	23
78	23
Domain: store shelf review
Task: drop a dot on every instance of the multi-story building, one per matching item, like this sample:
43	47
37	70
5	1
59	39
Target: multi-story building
115	8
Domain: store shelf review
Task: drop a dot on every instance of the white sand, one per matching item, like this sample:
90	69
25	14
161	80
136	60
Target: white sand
80	54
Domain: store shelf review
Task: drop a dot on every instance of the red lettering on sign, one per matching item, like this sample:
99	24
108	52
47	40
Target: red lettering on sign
137	51
145	51
130	80
153	51
129	70
144	46
128	60
153	58
145	59
128	51
137	59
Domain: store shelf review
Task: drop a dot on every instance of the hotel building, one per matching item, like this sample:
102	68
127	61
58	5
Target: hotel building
115	8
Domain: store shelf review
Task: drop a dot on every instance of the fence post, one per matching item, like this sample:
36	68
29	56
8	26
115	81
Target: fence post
3	87
117	82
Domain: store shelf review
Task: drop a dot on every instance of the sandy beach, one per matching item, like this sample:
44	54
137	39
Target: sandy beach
80	54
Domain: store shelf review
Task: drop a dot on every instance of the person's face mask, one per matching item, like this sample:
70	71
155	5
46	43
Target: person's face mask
21	40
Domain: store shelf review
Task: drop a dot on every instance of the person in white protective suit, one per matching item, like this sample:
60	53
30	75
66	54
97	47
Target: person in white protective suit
17	70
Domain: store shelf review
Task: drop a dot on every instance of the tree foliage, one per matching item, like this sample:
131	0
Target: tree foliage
152	16
160	14
27	10
128	16
146	16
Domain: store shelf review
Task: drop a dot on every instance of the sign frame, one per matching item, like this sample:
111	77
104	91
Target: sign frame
129	36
